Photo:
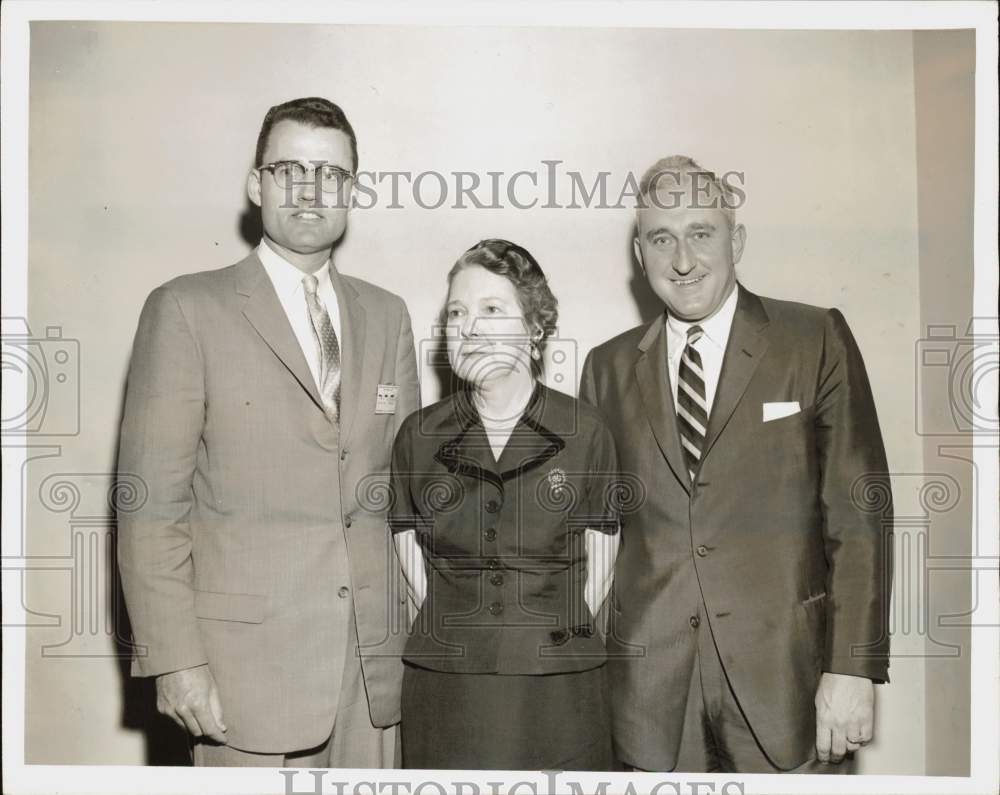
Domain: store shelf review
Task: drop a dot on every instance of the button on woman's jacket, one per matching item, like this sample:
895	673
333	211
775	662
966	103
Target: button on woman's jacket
503	540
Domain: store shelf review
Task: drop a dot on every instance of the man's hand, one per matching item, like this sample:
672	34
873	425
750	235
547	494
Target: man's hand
191	699
844	711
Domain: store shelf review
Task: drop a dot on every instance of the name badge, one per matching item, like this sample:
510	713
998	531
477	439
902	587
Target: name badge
385	398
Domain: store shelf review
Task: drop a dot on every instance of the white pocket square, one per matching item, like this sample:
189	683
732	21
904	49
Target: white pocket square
775	411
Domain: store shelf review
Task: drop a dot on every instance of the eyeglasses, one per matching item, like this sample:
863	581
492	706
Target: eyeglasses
290	173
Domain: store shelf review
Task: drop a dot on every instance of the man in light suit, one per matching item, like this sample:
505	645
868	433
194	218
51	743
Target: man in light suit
752	588
261	406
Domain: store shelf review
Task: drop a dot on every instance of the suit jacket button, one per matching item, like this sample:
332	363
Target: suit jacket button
702	551
491	534
343	455
559	636
694	621
343	591
492	506
494	564
347	521
497	579
496	608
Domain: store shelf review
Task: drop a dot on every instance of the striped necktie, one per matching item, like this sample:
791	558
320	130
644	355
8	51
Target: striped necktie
692	408
326	338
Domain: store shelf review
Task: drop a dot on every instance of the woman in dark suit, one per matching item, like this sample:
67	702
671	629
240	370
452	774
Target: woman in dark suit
504	523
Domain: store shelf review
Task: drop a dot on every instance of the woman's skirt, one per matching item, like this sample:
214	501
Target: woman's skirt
492	722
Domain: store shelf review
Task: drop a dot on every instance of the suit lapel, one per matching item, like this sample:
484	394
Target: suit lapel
265	313
531	443
744	351
654	387
353	328
468	451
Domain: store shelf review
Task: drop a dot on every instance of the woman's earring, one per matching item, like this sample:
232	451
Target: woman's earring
536	354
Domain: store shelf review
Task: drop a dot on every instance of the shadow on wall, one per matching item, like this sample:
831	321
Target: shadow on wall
249	225
166	744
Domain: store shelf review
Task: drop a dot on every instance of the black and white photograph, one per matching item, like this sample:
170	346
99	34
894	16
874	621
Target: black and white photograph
471	398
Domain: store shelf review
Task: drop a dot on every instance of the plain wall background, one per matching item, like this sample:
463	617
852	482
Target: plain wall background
943	74
141	137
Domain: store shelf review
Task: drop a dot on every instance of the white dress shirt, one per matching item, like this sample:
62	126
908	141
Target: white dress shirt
711	346
287	281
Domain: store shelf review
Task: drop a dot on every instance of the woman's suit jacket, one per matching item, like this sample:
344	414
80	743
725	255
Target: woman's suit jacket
503	540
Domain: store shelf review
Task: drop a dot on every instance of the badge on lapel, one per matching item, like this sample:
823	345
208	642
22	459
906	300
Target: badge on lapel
557	481
385	398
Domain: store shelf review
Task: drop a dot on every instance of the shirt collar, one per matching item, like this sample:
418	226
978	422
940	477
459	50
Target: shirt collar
465	413
716	328
287	279
531	442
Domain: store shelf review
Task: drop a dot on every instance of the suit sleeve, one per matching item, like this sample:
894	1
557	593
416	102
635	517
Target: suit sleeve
160	434
600	508
405	512
857	541
408	400
588	389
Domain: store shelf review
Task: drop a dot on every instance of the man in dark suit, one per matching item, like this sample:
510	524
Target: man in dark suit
262	401
751	593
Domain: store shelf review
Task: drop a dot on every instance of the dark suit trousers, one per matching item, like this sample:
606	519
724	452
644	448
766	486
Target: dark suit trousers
716	737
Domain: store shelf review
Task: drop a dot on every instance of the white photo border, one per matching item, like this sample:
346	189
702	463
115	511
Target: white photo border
15	50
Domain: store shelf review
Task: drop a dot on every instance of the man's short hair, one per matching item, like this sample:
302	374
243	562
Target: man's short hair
311	111
677	168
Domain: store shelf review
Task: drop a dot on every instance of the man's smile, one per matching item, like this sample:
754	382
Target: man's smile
689	282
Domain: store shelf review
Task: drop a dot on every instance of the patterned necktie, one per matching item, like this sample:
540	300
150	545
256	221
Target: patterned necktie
326	337
692	408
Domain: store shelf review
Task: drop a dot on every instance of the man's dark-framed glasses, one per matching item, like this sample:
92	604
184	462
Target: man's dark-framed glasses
290	173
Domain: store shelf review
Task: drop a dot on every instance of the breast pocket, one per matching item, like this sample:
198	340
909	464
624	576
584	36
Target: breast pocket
802	417
789	443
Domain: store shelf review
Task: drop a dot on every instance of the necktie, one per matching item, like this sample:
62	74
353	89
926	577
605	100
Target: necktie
692	408
326	337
